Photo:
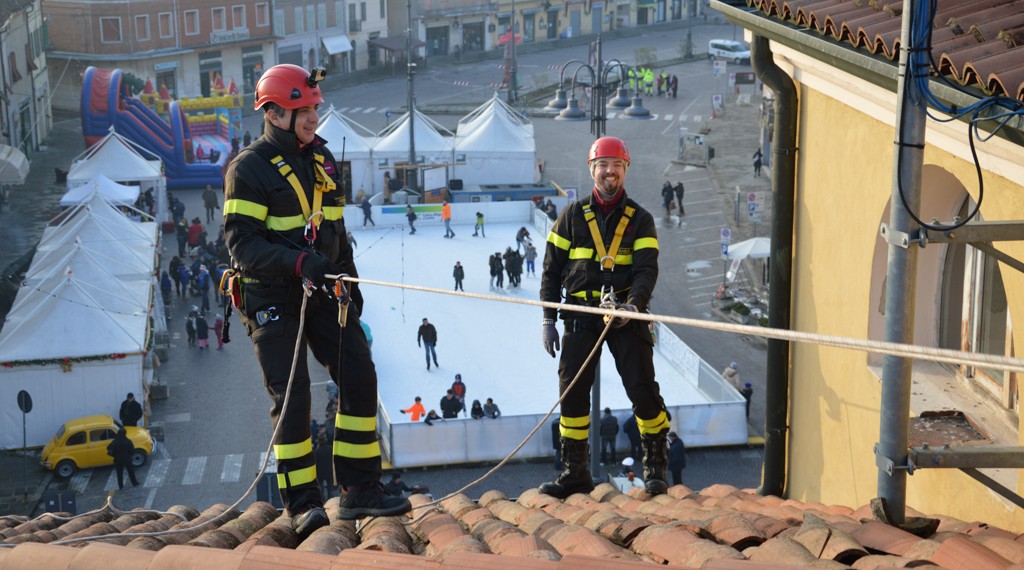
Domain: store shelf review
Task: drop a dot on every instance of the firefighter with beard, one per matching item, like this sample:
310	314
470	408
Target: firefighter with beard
603	252
283	224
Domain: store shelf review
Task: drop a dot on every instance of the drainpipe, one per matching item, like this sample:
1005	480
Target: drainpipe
780	266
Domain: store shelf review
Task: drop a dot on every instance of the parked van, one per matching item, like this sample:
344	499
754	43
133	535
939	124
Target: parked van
729	50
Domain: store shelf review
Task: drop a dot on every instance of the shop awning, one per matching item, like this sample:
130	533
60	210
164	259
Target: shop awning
393	43
337	44
13	165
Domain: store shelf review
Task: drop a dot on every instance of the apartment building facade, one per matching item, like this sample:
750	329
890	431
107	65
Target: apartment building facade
181	45
25	118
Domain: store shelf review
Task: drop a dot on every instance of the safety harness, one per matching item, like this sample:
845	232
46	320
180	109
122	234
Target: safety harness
314	216
606	257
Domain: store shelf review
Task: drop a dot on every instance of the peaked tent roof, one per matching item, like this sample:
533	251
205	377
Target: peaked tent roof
97	222
100	184
495	134
430	137
493	107
113	149
14	165
335	128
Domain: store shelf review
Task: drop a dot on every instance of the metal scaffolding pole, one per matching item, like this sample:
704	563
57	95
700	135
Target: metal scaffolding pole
891	454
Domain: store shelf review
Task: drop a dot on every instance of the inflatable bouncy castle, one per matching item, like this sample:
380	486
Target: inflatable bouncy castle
172	130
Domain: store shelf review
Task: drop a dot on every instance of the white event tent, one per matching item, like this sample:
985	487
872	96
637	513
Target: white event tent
121	194
434	144
496	145
76	336
349	140
121	160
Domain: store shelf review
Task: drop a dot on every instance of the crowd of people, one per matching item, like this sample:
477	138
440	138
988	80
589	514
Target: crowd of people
451	405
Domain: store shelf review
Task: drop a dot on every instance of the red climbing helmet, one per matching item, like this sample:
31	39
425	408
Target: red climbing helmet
608	147
290	87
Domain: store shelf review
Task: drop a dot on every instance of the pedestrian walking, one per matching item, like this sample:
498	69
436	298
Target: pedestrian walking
203	285
597	223
367	212
522	238
194	229
459	273
426	338
218	329
757	163
609	430
632	431
122	449
732	374
174	268
676	457
247	139
190	325
203	331
130	412
679	190
674	85
497	271
459	387
273	251
410	215
446	217
747	392
210	201
181	231
165	288
531	258
666	197
479	227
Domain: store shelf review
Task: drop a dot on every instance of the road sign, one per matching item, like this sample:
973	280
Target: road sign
24	402
755	201
725	250
726	236
718	67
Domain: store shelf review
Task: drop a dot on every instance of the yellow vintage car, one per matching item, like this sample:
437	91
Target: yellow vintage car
82	443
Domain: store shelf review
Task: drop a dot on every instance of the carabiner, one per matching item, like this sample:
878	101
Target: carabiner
312	224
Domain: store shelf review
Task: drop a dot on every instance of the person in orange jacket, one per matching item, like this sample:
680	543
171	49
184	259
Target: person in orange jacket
416	410
446	216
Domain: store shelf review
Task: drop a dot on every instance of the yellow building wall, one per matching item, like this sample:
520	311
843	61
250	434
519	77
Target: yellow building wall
844	181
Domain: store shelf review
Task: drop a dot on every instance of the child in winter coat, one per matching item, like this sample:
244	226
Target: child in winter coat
202	331
218	329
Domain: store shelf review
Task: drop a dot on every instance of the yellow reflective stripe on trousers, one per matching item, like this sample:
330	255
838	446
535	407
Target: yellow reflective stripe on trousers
558	241
297	477
285	223
245	208
293	450
573	433
582	421
357	450
355	423
645	243
656	425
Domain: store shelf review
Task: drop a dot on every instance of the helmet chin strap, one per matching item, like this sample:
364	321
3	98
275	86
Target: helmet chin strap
291	125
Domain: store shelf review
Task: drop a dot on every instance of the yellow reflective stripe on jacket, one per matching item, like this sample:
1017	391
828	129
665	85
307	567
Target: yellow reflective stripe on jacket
355	423
581	253
558	241
245	208
333	212
285	223
357	450
656	425
297	477
645	243
293	450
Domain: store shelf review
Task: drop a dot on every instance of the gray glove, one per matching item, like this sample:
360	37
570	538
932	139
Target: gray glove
549	336
619	322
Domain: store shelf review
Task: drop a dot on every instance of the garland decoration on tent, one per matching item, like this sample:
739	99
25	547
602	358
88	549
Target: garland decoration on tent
66	363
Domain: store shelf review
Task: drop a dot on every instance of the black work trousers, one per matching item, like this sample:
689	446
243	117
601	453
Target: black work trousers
274	343
633	349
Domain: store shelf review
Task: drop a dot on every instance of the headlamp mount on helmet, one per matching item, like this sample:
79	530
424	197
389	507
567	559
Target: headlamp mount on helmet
316	75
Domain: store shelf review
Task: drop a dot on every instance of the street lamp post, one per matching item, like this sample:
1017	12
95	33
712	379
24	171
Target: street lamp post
513	88
690	13
570	110
410	181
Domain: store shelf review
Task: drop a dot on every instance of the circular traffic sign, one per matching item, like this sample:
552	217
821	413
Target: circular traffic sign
24	402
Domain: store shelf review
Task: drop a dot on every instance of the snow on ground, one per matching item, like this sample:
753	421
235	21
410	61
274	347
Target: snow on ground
495	346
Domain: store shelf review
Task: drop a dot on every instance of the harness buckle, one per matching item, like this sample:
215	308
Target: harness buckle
265	316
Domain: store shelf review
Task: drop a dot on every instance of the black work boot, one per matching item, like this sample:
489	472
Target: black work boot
305	523
370	499
655	462
575	478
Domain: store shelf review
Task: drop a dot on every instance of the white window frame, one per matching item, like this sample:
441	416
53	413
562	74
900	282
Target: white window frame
219	13
161	19
262	15
279	21
192	21
238	21
298	19
142	28
106	20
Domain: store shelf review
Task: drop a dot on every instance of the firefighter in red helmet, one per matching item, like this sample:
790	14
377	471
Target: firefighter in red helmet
283	224
603	252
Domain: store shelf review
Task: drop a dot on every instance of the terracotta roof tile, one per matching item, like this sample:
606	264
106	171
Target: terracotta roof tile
979	43
720	527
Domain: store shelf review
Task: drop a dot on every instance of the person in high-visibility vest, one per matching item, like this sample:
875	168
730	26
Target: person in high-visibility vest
603	251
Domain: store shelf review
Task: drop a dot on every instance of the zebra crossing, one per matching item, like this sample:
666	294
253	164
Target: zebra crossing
186	471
